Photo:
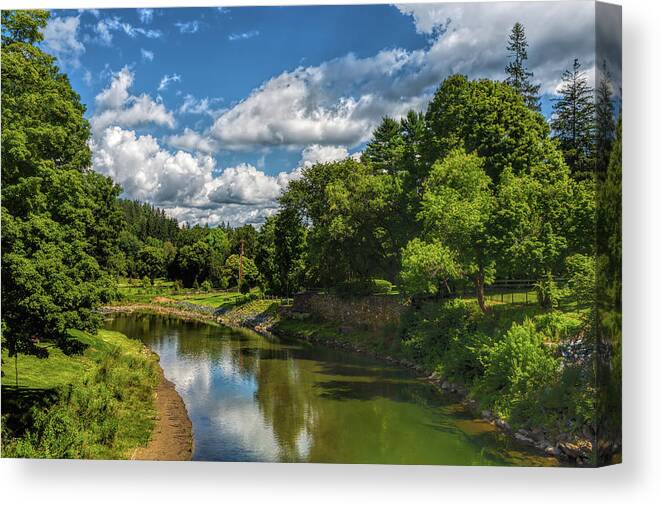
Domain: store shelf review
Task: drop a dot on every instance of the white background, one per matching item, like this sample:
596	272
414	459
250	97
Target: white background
636	482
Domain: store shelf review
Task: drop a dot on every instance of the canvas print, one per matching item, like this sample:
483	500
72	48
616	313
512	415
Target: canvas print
385	234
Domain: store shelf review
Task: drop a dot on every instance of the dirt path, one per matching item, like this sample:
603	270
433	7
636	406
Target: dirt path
172	439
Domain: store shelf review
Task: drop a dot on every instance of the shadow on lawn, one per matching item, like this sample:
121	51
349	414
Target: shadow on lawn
18	405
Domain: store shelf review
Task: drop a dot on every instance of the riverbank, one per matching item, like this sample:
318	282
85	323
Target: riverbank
264	317
552	436
94	400
172	436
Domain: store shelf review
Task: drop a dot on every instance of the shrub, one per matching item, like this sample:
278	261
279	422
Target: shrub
206	286
582	279
548	293
381	286
146	282
558	326
467	356
426	333
518	369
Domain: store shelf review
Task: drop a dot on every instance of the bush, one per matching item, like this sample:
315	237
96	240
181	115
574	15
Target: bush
582	279
427	333
468	356
548	293
381	286
518	369
146	282
558	326
206	286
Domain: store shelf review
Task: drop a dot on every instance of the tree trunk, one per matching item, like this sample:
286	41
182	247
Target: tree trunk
479	291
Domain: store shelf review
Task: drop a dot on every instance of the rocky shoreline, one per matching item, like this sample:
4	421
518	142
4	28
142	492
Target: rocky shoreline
574	451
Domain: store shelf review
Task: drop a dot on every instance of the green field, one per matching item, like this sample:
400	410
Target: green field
136	293
95	404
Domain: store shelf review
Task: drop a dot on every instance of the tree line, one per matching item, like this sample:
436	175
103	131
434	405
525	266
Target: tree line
477	186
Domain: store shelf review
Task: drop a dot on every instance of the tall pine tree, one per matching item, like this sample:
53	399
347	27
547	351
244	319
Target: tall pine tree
573	121
518	75
605	120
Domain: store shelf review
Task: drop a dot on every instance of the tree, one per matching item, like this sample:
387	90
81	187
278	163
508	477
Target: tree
427	267
605	120
386	148
192	262
573	122
289	249
456	207
487	118
219	247
265	256
250	272
151	262
60	221
518	76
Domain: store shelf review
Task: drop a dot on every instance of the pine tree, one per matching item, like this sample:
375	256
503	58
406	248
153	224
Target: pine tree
573	121
605	120
518	75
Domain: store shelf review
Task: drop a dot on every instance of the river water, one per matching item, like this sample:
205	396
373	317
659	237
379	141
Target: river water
252	398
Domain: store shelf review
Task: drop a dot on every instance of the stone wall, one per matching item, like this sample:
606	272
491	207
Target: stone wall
369	312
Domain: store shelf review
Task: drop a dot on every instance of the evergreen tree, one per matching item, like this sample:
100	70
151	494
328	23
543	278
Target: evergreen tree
518	75
573	121
605	120
386	148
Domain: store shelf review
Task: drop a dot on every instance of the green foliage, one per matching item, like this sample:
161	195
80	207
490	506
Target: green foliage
573	121
60	221
289	249
548	293
428	332
582	279
518	76
250	273
206	286
23	26
490	119
558	326
427	267
519	368
102	413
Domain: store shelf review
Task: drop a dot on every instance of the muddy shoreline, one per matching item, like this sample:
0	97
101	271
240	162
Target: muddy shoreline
172	436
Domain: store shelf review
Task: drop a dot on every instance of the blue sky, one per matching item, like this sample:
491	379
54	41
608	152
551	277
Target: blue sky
209	112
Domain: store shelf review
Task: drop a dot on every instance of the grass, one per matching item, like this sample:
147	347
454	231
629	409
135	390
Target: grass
97	404
167	289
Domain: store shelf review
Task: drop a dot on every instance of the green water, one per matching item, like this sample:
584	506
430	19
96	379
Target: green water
252	398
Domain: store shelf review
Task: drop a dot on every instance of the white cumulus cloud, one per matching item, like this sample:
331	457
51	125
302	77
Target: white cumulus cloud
61	40
115	106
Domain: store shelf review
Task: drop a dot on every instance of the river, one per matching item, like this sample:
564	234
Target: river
252	398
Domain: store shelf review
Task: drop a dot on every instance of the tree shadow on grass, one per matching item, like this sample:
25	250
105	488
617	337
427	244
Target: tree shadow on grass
19	404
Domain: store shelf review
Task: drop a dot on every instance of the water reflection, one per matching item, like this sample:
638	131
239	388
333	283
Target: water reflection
256	399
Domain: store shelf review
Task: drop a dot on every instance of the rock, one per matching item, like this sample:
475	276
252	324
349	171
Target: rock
345	329
445	385
570	450
523	438
503	425
552	451
486	414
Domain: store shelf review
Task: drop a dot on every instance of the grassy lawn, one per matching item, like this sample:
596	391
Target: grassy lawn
209	299
96	404
166	289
